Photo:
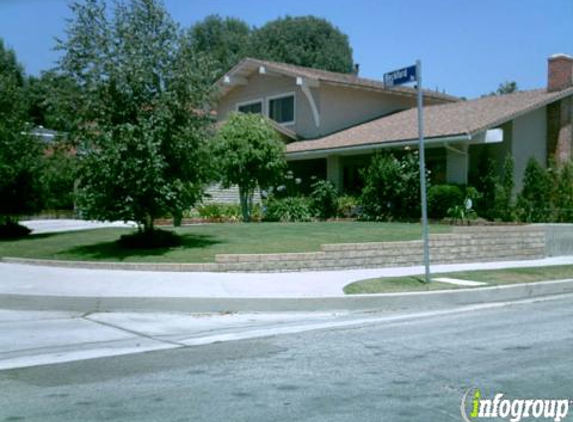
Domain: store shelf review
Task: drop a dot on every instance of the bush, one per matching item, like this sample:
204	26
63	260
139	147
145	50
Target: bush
563	196
534	201
391	188
324	198
10	229
292	209
486	183
347	207
227	212
219	211
502	207
149	239
443	197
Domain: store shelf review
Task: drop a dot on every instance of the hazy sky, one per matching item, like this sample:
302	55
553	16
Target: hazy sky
467	47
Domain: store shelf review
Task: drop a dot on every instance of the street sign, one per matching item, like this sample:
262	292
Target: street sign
404	76
400	76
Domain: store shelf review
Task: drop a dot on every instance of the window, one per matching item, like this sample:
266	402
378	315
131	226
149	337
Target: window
256	107
281	109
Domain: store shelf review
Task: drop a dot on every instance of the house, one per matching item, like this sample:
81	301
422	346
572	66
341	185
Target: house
333	123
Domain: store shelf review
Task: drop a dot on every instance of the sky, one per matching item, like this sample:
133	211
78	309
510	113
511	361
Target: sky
467	47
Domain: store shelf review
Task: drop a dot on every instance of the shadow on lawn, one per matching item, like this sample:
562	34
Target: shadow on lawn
113	250
33	236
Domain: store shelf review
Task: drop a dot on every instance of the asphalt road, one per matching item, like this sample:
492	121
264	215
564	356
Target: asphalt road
409	370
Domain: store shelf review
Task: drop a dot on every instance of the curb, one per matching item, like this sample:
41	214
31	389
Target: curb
377	302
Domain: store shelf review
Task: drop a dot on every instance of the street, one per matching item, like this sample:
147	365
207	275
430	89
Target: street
411	369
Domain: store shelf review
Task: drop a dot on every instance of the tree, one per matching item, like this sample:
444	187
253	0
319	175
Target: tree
507	87
143	113
305	41
20	153
225	40
250	155
52	100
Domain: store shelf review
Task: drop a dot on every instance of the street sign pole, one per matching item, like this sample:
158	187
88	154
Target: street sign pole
423	172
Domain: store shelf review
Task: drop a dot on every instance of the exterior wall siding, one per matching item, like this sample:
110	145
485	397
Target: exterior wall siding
263	87
529	140
345	107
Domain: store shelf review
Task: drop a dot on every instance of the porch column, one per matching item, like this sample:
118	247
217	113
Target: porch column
334	170
457	164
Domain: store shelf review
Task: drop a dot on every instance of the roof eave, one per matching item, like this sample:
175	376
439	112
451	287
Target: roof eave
365	148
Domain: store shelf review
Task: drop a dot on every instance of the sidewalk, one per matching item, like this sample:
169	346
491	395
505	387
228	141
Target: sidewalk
66	225
19	279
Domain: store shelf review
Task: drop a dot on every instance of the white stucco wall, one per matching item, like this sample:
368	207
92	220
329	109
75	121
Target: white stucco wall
263	87
529	133
339	107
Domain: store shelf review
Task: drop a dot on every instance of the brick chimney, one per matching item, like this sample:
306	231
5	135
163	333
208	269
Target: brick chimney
560	72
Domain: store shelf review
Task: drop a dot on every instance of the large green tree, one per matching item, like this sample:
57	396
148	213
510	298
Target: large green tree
249	154
225	40
305	41
143	113
52	101
20	153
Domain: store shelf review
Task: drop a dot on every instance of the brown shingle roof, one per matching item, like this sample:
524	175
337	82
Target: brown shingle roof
344	79
466	117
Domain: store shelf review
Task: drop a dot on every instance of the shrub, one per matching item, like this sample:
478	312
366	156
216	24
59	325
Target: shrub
347	207
443	197
220	211
391	188
503	208
287	186
486	184
563	196
292	209
324	197
149	239
534	201
10	229
496	192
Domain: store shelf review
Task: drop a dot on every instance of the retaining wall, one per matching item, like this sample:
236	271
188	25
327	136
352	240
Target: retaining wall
463	245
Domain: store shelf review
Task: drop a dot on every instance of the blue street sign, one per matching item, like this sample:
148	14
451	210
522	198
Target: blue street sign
400	76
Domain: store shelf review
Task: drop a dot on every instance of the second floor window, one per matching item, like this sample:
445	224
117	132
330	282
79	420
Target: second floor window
281	109
256	107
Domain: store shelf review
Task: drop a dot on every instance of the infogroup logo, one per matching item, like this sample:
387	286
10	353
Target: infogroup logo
475	407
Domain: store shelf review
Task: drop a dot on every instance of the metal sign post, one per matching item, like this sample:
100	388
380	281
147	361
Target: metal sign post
423	172
399	77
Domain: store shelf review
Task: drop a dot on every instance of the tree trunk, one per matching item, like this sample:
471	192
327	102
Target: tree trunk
244	199
148	224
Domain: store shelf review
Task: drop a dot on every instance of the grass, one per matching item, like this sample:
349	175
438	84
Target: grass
492	277
202	242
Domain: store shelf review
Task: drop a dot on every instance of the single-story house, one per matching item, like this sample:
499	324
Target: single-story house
333	123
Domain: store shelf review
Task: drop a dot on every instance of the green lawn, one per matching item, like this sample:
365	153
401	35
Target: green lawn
492	277
202	242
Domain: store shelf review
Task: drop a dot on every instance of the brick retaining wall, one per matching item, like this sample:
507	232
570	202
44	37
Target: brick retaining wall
463	245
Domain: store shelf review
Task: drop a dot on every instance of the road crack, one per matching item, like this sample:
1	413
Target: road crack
133	332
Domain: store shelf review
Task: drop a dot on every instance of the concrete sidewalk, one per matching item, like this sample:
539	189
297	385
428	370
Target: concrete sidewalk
66	225
19	279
